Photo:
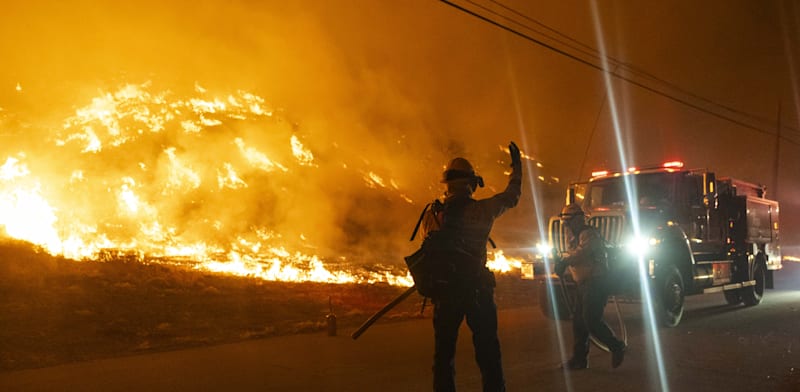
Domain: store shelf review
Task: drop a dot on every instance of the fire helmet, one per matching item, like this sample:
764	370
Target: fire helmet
458	169
570	211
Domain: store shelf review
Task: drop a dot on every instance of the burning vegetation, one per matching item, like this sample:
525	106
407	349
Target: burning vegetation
222	183
148	219
57	310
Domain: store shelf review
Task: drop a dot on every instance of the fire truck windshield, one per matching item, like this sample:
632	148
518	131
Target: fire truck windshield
648	189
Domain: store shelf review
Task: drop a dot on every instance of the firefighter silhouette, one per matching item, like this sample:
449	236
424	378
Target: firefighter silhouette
471	297
586	260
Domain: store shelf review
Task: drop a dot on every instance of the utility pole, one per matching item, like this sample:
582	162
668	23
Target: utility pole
776	167
591	136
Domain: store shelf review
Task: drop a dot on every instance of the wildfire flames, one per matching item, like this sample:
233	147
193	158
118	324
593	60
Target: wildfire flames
203	180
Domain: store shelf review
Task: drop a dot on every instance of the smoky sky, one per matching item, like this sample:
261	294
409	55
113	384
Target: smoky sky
399	88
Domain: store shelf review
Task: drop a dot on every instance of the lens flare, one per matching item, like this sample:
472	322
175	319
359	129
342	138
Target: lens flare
630	191
540	218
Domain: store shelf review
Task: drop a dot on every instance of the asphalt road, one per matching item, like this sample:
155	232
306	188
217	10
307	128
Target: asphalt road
715	348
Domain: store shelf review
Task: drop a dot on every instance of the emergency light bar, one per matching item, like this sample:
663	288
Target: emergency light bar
675	164
634	169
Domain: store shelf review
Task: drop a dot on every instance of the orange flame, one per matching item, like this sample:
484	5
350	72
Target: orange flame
153	201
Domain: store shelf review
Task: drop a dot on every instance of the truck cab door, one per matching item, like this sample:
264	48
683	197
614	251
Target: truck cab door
691	212
714	232
700	218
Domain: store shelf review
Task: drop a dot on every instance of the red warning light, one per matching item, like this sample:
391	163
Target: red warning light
675	164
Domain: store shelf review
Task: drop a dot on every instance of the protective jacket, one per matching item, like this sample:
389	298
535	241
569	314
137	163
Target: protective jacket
474	218
586	254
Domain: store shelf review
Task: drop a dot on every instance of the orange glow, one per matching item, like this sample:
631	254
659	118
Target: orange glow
218	182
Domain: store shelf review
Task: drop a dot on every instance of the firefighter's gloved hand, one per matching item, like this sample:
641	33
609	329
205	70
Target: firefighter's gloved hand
560	268
516	159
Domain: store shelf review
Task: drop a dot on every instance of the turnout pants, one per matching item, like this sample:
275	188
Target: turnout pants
480	312
588	318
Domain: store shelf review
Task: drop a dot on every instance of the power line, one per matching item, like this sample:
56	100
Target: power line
611	60
586	49
612	73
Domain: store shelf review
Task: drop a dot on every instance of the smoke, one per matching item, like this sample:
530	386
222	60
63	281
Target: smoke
381	94
155	127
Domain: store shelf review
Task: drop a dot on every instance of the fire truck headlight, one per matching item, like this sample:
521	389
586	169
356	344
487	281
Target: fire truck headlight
640	246
544	250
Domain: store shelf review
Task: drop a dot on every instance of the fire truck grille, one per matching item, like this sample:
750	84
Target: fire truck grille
610	227
558	235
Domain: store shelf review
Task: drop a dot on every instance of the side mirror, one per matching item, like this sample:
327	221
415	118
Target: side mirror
570	195
709	190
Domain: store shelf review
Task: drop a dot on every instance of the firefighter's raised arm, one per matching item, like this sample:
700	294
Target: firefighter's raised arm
516	162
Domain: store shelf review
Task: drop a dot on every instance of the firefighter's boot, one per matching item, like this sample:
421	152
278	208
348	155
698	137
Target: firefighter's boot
618	355
575	364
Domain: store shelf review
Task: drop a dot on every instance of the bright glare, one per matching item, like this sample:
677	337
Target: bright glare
544	249
639	246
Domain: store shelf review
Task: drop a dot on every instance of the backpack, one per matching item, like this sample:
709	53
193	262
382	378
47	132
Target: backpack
442	265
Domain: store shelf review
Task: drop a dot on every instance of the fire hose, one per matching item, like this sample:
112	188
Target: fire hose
406	293
400	298
571	309
381	312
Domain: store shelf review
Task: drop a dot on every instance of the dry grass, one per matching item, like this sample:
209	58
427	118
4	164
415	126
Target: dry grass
57	310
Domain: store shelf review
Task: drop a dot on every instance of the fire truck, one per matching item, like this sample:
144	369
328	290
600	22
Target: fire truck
672	231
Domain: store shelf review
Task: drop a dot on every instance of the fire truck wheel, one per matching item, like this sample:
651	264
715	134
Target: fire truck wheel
752	295
670	294
733	297
553	310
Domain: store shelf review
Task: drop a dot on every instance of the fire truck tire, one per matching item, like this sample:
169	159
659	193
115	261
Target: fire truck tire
553	310
752	295
733	297
670	293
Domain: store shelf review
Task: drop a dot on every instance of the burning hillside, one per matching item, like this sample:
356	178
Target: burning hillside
224	182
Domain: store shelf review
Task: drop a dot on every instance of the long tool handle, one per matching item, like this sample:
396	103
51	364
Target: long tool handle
381	312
